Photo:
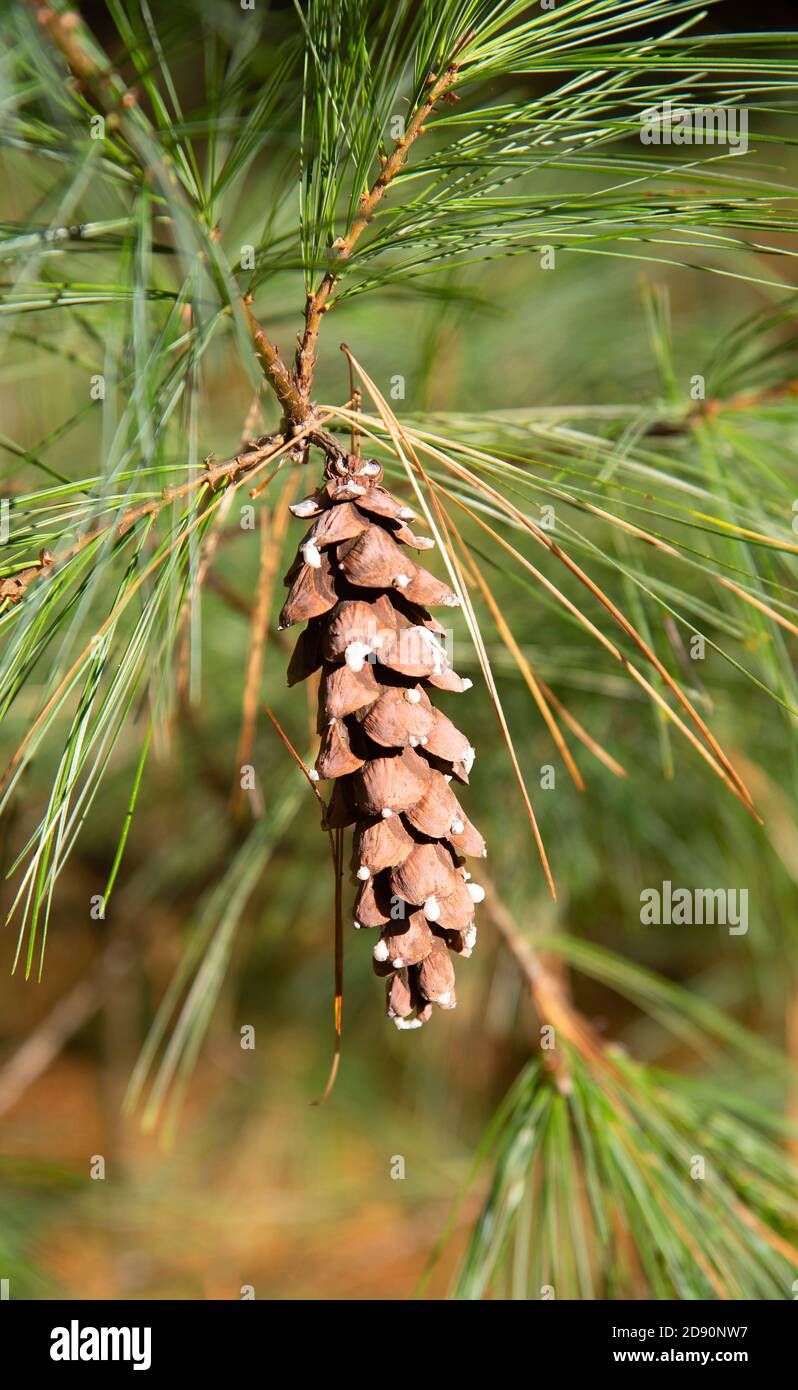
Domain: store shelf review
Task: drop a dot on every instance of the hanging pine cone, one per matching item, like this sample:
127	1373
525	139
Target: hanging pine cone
391	754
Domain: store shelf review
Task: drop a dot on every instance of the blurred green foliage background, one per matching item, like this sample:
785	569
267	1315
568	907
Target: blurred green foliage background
226	1175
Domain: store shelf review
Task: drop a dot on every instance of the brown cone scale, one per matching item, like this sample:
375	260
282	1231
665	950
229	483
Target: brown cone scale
390	754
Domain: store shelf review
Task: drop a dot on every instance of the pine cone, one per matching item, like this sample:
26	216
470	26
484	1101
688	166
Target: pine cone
392	755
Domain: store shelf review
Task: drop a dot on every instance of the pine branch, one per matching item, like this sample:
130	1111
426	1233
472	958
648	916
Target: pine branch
294	401
292	389
69	34
15	586
318	303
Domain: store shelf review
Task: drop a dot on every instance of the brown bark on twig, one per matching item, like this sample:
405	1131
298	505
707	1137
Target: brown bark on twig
319	303
15	586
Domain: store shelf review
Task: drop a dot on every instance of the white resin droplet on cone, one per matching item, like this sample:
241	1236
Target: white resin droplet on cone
307	507
311	555
356	655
